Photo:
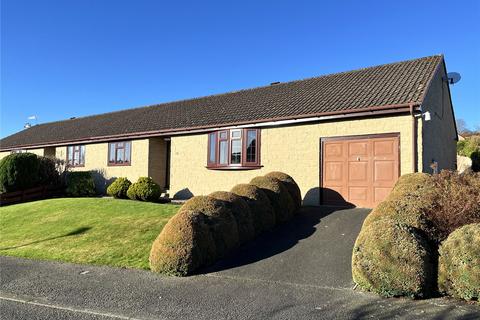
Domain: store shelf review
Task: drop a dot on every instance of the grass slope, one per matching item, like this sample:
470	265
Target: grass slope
84	230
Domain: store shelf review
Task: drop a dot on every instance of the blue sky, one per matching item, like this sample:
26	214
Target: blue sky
61	59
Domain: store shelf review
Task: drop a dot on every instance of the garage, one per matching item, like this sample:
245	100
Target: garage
359	170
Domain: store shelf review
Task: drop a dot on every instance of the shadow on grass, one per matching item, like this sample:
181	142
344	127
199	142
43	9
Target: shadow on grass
75	232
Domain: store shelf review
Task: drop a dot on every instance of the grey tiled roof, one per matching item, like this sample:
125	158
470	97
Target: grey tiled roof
390	84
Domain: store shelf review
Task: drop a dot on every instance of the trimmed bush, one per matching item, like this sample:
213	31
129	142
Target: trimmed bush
184	245
412	184
145	189
291	186
118	189
279	196
459	263
260	207
429	208
222	224
19	171
393	259
80	184
241	213
412	197
403	210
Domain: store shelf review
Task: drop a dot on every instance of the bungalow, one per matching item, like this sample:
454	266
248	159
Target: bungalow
344	137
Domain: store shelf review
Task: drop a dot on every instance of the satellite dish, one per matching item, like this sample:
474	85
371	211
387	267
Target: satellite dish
453	77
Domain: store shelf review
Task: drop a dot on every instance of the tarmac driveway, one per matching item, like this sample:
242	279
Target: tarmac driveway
315	248
299	271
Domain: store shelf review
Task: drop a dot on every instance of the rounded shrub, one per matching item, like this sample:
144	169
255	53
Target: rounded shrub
393	259
260	207
118	188
413	196
403	212
279	196
184	245
222	224
19	171
412	184
459	263
241	212
145	189
291	186
80	184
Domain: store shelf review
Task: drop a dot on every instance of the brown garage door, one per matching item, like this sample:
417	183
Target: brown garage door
359	170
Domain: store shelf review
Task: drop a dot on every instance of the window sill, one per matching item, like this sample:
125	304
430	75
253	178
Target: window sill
228	168
119	165
76	166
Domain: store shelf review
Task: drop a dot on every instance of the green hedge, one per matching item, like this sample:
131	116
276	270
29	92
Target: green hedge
80	184
263	215
202	231
20	171
207	228
241	212
47	172
281	200
220	219
291	186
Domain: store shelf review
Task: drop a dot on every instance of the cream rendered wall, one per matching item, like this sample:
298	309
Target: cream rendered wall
439	134
3	154
294	150
38	152
96	155
148	159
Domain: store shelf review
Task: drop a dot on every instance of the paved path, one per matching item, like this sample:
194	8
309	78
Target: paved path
300	271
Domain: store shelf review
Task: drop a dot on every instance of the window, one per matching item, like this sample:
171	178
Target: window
223	148
119	153
251	146
235	148
18	151
76	156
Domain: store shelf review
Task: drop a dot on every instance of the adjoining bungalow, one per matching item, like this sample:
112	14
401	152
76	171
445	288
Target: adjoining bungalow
343	137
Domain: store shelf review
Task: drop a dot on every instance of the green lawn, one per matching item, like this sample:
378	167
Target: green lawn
83	230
